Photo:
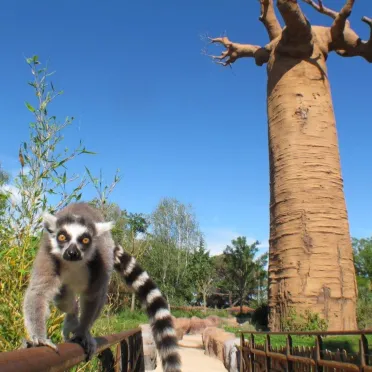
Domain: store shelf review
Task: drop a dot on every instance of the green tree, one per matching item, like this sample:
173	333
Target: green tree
136	223
363	267
363	257
175	236
242	269
223	286
201	272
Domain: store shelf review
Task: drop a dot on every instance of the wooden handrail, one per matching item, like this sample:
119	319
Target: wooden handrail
40	359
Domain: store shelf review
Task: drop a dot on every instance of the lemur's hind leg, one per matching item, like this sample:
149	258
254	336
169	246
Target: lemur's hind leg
66	302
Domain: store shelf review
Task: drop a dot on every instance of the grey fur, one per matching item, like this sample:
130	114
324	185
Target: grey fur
58	280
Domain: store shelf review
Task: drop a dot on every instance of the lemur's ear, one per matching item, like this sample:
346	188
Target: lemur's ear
102	227
49	222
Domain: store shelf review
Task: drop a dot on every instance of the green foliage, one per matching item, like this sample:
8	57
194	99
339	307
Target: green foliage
242	270
4	196
364	308
306	321
201	271
103	191
124	320
363	257
363	267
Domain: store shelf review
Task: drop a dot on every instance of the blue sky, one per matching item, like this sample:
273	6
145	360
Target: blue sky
150	103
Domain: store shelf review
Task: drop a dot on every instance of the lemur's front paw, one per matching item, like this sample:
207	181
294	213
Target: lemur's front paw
87	342
39	341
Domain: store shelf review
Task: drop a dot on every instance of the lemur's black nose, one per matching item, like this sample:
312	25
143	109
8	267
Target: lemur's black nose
72	253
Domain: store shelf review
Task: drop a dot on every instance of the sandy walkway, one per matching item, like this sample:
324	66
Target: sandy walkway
193	358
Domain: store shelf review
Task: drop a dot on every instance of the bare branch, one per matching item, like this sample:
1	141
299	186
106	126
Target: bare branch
269	19
353	46
321	8
344	40
298	27
235	51
339	24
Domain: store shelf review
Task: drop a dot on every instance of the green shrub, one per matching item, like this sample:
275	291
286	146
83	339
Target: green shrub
306	321
364	308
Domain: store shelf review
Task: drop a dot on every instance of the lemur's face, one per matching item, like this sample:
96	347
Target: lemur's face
72	238
73	241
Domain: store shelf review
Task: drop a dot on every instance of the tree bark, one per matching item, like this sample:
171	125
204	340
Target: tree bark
311	261
205	301
133	304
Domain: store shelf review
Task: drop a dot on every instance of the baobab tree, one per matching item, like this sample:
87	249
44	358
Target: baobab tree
310	254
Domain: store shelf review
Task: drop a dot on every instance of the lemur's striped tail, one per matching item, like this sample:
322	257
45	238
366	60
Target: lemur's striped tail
156	307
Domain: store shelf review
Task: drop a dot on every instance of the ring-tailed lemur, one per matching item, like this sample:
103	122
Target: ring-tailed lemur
77	256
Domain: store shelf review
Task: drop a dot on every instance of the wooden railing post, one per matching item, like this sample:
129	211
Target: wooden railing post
251	354
118	361
267	349
140	362
289	350
124	355
363	351
318	352
107	360
241	361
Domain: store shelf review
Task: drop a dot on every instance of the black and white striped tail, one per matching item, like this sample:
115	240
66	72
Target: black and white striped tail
156	307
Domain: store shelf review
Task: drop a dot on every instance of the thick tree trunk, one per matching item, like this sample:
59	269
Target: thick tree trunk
311	261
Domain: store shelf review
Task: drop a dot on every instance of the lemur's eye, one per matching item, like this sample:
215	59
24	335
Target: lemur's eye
86	241
61	237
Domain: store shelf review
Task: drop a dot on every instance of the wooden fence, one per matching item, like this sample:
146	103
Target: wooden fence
264	357
128	355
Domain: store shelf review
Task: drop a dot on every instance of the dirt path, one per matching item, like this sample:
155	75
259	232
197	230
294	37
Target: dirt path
193	358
